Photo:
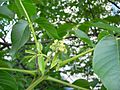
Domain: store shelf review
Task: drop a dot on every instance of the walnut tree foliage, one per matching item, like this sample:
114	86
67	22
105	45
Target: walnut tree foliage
43	40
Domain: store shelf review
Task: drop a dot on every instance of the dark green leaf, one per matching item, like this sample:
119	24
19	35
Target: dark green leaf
113	19
3	64
94	82
29	7
20	35
1	34
7	82
106	26
1	88
82	83
62	30
50	29
102	34
103	88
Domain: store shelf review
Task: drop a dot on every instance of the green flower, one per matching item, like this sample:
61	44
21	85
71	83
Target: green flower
58	46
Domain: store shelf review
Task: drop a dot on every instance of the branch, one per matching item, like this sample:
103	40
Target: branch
34	84
19	70
5	44
75	57
29	43
114	4
65	83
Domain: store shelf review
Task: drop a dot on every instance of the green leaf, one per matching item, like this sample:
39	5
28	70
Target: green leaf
1	88
4	64
50	29
7	82
82	83
84	26
94	82
39	47
20	35
41	64
5	11
30	52
16	7
54	61
62	30
113	19
30	7
106	26
1	1
106	62
32	58
83	36
1	34
103	87
28	4
102	34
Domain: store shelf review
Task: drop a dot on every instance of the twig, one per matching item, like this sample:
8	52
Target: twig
114	4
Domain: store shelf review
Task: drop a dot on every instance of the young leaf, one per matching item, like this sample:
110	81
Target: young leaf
83	36
32	58
54	61
39	47
30	52
19	36
41	64
50	29
106	62
7	82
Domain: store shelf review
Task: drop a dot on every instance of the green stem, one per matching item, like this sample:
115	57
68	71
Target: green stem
75	57
65	83
19	70
29	21
34	84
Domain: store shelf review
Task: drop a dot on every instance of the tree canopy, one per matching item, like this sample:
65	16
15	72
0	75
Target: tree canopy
43	43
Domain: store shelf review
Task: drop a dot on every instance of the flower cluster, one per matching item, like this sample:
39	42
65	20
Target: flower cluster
58	46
